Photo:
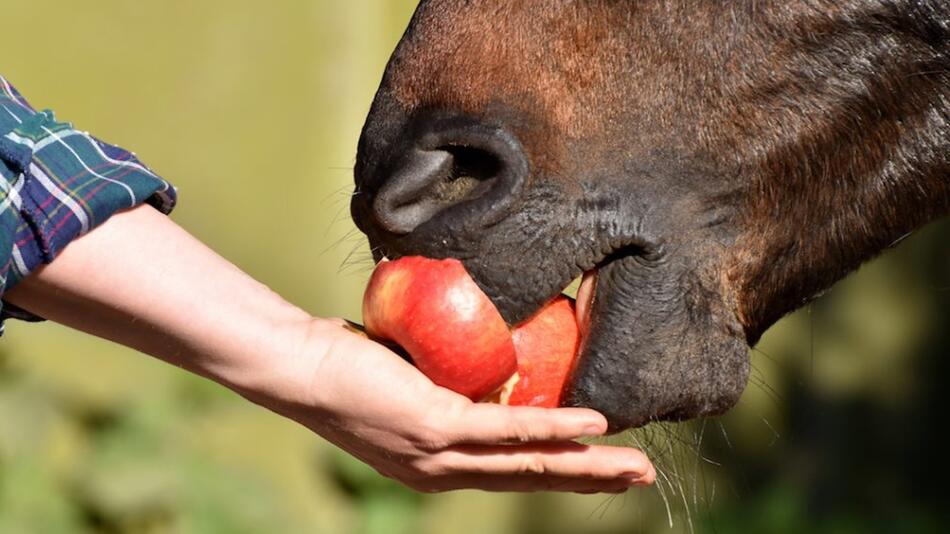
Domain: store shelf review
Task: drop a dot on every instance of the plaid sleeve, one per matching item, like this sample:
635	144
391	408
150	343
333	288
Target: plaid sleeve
56	184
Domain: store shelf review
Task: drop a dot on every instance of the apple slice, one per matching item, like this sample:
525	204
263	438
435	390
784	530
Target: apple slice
452	331
585	300
546	346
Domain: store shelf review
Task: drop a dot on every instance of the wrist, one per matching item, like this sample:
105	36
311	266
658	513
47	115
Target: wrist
281	372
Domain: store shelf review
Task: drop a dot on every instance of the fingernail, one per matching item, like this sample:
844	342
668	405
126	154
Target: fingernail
593	430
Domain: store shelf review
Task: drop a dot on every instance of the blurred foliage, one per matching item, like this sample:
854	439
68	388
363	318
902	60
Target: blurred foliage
246	106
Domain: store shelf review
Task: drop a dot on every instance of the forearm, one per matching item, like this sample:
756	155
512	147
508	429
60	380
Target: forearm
142	281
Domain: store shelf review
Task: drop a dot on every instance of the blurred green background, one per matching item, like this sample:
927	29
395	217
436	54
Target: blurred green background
242	104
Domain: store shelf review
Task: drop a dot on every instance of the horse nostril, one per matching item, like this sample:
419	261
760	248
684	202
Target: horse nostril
476	170
473	171
404	201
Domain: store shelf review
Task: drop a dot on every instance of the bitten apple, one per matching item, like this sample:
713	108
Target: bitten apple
452	331
546	346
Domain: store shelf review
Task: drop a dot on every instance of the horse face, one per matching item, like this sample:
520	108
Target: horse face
664	146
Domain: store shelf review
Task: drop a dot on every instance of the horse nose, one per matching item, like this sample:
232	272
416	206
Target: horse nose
470	171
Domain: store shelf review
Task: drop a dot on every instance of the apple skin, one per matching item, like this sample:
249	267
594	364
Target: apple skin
546	346
453	332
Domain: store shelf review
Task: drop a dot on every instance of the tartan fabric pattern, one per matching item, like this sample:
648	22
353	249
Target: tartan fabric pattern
56	184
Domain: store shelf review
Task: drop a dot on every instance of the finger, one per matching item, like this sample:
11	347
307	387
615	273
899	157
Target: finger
495	424
524	484
563	460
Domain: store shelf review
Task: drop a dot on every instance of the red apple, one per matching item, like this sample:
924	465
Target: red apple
452	331
546	346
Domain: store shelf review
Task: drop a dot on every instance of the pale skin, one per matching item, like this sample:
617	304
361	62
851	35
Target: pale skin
142	281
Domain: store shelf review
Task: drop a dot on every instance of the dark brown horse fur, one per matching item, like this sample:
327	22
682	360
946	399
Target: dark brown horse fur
722	163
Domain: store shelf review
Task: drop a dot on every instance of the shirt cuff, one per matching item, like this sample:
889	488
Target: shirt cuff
56	184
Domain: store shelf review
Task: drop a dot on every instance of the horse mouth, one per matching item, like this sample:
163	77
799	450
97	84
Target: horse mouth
587	295
598	328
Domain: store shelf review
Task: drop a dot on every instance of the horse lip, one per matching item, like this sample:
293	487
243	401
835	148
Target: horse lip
587	295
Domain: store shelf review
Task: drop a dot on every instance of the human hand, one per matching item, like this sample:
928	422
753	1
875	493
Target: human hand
377	407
